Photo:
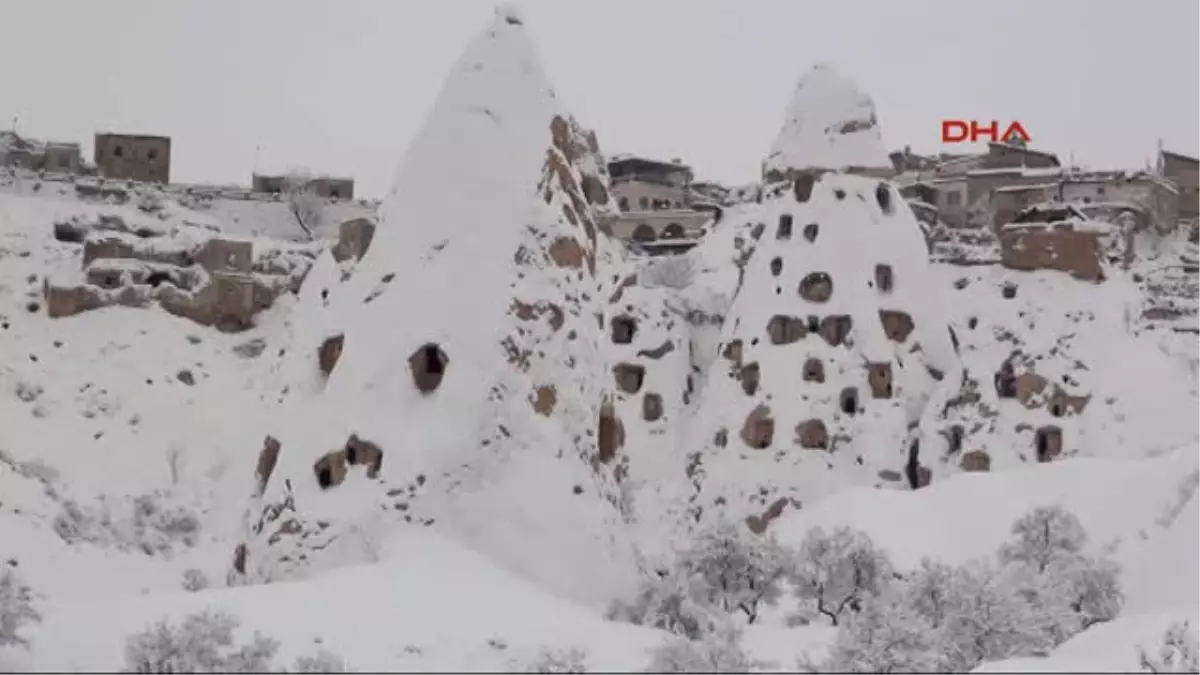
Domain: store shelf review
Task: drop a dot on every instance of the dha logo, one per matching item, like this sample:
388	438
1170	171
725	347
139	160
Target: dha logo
959	131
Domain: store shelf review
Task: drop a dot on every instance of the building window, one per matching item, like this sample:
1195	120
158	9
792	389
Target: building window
118	151
644	203
623	203
334	194
643	232
953	198
673	231
152	154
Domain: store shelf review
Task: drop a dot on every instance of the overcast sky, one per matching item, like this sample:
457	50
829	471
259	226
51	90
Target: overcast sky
340	86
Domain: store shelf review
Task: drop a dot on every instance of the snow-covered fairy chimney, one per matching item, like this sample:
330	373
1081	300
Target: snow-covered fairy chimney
468	387
834	349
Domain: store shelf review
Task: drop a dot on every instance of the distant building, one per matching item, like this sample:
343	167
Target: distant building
325	186
34	155
658	206
133	157
1184	171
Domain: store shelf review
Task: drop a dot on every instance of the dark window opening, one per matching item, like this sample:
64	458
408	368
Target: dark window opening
814	371
156	278
118	151
324	477
814	323
839	193
623	330
849	400
428	365
884	196
810	231
152	154
623	203
785	227
776	266
883	277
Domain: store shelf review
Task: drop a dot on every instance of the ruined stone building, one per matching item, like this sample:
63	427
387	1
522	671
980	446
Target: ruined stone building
34	155
141	158
325	186
658	208
1184	171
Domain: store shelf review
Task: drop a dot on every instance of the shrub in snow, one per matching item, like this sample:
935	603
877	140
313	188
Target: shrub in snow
1049	541
321	662
988	619
1179	652
887	636
668	603
718	652
669	272
16	609
572	660
734	569
303	202
1042	535
194	580
837	571
151	524
203	643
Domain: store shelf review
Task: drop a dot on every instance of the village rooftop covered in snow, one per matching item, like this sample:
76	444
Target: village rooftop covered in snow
546	407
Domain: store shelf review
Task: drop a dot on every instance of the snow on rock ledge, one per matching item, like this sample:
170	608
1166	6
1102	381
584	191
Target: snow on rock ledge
829	125
466	394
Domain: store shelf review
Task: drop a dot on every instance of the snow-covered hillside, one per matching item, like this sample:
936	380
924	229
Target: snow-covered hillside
499	440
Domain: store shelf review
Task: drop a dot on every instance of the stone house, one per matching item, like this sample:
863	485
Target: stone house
1184	171
1060	237
34	155
140	158
656	203
329	187
1156	196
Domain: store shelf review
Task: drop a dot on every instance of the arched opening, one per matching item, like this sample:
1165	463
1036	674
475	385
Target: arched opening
652	407
1047	442
814	323
812	435
883	278
802	187
750	376
879	376
896	325
329	353
816	287
358	451
623	330
835	328
673	231
428	365
156	278
848	401
884	197
785	227
776	266
759	428
610	435
814	370
629	377
783	330
644	232
810	231
330	470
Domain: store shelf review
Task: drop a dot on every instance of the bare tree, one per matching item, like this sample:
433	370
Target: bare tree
306	206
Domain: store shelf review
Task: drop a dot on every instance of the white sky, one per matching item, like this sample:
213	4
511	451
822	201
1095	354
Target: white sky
340	86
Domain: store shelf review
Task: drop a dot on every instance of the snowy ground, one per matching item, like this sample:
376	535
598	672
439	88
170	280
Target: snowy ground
128	442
